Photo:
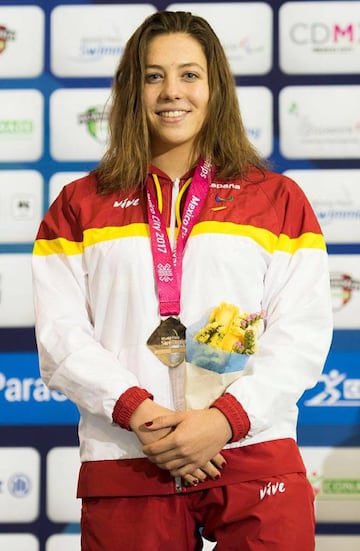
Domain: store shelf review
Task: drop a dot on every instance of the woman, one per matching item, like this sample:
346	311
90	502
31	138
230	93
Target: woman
182	216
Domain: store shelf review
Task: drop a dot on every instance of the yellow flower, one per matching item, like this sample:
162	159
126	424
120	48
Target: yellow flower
224	314
228	329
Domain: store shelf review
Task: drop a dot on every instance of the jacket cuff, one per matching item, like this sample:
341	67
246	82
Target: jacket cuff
127	404
235	414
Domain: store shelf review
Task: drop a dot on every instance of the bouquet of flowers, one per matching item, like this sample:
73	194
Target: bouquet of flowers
226	340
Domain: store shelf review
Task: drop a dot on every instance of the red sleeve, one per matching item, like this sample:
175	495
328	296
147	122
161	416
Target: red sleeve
235	414
127	404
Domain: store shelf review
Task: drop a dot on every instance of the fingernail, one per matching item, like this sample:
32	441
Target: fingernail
223	465
148	423
195	482
217	477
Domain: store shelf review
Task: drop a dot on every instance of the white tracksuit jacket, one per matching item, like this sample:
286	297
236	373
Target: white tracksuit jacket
257	244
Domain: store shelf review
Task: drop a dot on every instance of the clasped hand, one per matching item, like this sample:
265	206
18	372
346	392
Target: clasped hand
187	443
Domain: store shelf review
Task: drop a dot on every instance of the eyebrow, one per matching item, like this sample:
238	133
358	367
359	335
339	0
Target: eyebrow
182	66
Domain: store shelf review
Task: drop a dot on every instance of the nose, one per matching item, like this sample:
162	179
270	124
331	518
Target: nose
171	88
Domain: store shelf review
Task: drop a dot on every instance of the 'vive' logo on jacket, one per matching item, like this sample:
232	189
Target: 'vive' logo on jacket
125	203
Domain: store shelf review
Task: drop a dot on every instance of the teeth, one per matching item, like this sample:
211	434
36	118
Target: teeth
171	114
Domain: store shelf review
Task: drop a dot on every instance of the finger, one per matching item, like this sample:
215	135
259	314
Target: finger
190	480
169	462
218	461
211	471
164	449
164	421
195	478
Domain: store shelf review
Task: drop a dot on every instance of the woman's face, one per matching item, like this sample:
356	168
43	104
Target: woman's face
176	92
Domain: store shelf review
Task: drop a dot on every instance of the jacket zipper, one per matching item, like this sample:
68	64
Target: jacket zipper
178	485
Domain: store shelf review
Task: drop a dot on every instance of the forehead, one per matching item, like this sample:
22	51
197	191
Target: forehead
175	47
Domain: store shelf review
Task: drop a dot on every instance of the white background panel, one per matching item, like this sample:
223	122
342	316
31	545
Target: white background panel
256	105
63	466
20	485
61	542
76	132
335	476
21	125
89	40
16	300
22	49
21	205
335	198
312	128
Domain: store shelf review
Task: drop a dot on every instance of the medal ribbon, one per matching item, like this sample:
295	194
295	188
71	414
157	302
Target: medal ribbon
168	263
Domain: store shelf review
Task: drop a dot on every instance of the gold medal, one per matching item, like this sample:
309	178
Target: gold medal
168	342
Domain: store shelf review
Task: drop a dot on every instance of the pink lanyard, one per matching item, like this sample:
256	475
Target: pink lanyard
168	263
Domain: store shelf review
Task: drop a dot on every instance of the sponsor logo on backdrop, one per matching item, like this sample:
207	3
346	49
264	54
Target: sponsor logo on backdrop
6	35
26	389
345	290
245	31
89	40
314	131
95	120
96	48
310	127
79	123
244	47
336	389
334	475
23	207
327	214
16	128
21	125
326	37
19	485
25	399
322	38
342	288
21	40
334	488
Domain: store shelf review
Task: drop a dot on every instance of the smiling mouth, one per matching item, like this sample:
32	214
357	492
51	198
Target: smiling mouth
172	114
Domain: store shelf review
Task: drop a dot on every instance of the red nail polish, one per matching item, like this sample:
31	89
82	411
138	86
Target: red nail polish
217	477
148	423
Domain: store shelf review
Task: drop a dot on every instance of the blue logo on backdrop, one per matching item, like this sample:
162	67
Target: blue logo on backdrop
336	397
19	485
25	400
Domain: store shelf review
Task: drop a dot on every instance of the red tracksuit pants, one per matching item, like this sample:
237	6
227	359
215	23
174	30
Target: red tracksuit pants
273	514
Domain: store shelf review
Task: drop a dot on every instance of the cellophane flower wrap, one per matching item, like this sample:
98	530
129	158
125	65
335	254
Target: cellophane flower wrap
217	349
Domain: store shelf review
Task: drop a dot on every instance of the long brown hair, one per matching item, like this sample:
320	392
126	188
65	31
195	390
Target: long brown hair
222	138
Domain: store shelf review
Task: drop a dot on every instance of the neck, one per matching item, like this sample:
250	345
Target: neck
173	162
